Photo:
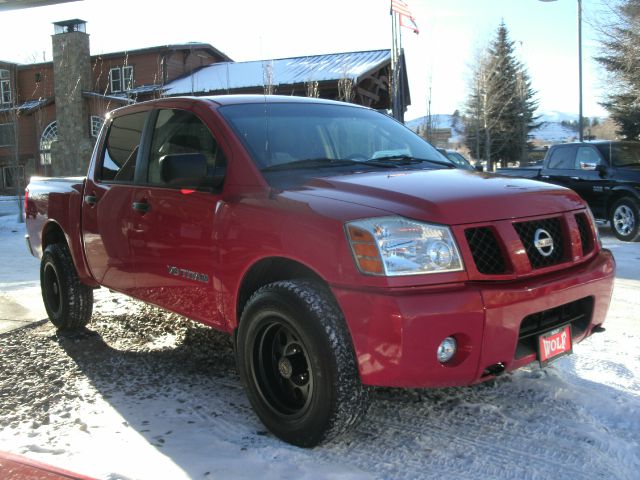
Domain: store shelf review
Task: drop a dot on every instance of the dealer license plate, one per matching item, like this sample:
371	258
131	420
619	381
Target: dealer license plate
554	344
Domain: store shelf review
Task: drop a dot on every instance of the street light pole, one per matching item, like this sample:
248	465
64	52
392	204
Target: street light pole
580	118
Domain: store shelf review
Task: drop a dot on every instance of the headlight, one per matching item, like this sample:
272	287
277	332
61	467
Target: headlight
395	246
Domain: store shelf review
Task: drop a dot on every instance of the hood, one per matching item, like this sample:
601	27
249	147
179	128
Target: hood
450	197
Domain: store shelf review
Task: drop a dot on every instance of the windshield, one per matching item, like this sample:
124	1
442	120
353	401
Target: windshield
622	154
297	137
625	154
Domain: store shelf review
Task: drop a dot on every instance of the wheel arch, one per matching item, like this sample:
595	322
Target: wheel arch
269	270
617	194
53	233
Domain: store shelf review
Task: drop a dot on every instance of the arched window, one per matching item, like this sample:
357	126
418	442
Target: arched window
5	87
49	135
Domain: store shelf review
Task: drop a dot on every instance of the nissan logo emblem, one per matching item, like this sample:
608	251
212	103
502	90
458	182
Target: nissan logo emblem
543	241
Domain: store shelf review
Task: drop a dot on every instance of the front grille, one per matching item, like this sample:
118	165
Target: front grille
545	256
577	313
586	239
485	251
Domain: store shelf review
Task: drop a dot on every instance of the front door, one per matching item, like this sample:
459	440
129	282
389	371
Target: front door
173	236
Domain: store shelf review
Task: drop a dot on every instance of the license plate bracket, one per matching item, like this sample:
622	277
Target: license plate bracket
555	344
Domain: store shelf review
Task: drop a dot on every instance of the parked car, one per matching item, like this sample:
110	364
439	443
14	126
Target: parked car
459	160
336	247
604	173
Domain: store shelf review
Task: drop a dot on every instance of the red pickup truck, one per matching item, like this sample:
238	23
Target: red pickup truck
339	249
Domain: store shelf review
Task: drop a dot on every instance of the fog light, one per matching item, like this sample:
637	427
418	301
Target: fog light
447	349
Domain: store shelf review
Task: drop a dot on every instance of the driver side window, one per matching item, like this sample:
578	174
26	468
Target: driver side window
181	132
586	155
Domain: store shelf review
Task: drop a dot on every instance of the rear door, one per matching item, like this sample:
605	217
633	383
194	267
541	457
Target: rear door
173	237
560	167
106	212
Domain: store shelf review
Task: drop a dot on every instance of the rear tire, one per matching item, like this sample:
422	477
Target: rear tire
68	301
297	363
625	219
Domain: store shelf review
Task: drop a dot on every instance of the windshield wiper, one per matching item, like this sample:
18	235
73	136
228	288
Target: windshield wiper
406	160
309	163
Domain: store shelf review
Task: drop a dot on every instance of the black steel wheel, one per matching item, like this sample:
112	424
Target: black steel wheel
69	302
281	368
296	360
625	220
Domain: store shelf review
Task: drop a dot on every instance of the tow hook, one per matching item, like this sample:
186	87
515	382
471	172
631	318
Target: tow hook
494	370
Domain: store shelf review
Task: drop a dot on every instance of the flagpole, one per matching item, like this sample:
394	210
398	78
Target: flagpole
395	56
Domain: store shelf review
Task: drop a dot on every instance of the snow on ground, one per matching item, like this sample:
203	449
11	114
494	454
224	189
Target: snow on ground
147	395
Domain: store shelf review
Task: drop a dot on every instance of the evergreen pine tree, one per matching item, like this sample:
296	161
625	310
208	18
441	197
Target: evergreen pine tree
501	105
620	57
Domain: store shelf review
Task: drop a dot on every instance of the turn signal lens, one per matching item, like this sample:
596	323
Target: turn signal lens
365	250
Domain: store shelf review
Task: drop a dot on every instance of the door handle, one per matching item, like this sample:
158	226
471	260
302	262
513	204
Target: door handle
544	176
142	207
575	178
90	199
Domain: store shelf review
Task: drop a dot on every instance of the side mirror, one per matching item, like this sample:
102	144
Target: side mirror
602	169
478	167
190	170
588	166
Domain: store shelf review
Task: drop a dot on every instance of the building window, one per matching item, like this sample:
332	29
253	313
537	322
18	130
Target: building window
127	76
49	135
115	76
6	135
5	87
96	125
13	177
121	79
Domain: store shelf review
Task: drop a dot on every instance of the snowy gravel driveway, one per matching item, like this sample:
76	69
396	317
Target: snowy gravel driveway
147	395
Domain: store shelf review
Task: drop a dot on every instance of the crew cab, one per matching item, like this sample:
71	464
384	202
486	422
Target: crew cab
339	249
605	174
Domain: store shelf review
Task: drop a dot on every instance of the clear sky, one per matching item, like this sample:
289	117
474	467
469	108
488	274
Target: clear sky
451	34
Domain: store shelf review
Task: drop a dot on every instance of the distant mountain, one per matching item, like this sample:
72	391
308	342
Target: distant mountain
557	117
439	121
550	130
553	132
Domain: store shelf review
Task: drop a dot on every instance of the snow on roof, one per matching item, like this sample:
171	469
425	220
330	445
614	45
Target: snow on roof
222	77
29	106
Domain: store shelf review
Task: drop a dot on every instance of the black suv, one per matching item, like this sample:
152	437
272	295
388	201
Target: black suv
606	174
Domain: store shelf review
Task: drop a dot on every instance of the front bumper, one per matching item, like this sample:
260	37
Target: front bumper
396	333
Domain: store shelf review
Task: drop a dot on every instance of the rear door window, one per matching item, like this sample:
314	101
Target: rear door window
562	158
121	148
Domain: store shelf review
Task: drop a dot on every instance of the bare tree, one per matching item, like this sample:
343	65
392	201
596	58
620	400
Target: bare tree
313	89
268	78
346	91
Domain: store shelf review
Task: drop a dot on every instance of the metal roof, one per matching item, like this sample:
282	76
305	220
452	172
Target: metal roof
229	76
29	106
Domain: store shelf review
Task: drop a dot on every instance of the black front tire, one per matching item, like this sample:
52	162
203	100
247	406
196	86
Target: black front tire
625	219
296	360
68	301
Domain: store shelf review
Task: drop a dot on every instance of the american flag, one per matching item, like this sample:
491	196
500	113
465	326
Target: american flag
406	17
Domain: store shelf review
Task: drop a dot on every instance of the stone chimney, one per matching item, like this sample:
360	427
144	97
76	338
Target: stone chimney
71	152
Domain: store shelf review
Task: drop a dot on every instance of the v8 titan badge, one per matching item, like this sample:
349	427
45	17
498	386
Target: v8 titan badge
554	344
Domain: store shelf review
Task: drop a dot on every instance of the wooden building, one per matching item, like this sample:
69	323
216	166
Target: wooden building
52	112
